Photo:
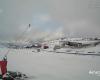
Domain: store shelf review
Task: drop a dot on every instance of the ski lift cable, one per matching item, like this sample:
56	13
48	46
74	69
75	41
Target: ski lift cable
18	38
23	33
28	39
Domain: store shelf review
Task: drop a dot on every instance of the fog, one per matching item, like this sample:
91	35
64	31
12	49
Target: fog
77	18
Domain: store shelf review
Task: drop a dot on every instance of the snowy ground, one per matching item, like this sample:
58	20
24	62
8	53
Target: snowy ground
53	66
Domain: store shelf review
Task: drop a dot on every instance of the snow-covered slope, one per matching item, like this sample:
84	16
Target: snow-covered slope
47	65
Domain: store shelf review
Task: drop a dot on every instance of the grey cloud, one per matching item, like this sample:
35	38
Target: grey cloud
71	11
77	17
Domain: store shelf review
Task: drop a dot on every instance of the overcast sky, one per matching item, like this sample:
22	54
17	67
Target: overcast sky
77	18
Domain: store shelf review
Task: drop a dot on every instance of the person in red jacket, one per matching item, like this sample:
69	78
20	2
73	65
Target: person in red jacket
3	68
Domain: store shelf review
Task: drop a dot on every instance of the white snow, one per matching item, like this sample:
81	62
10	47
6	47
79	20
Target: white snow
53	66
